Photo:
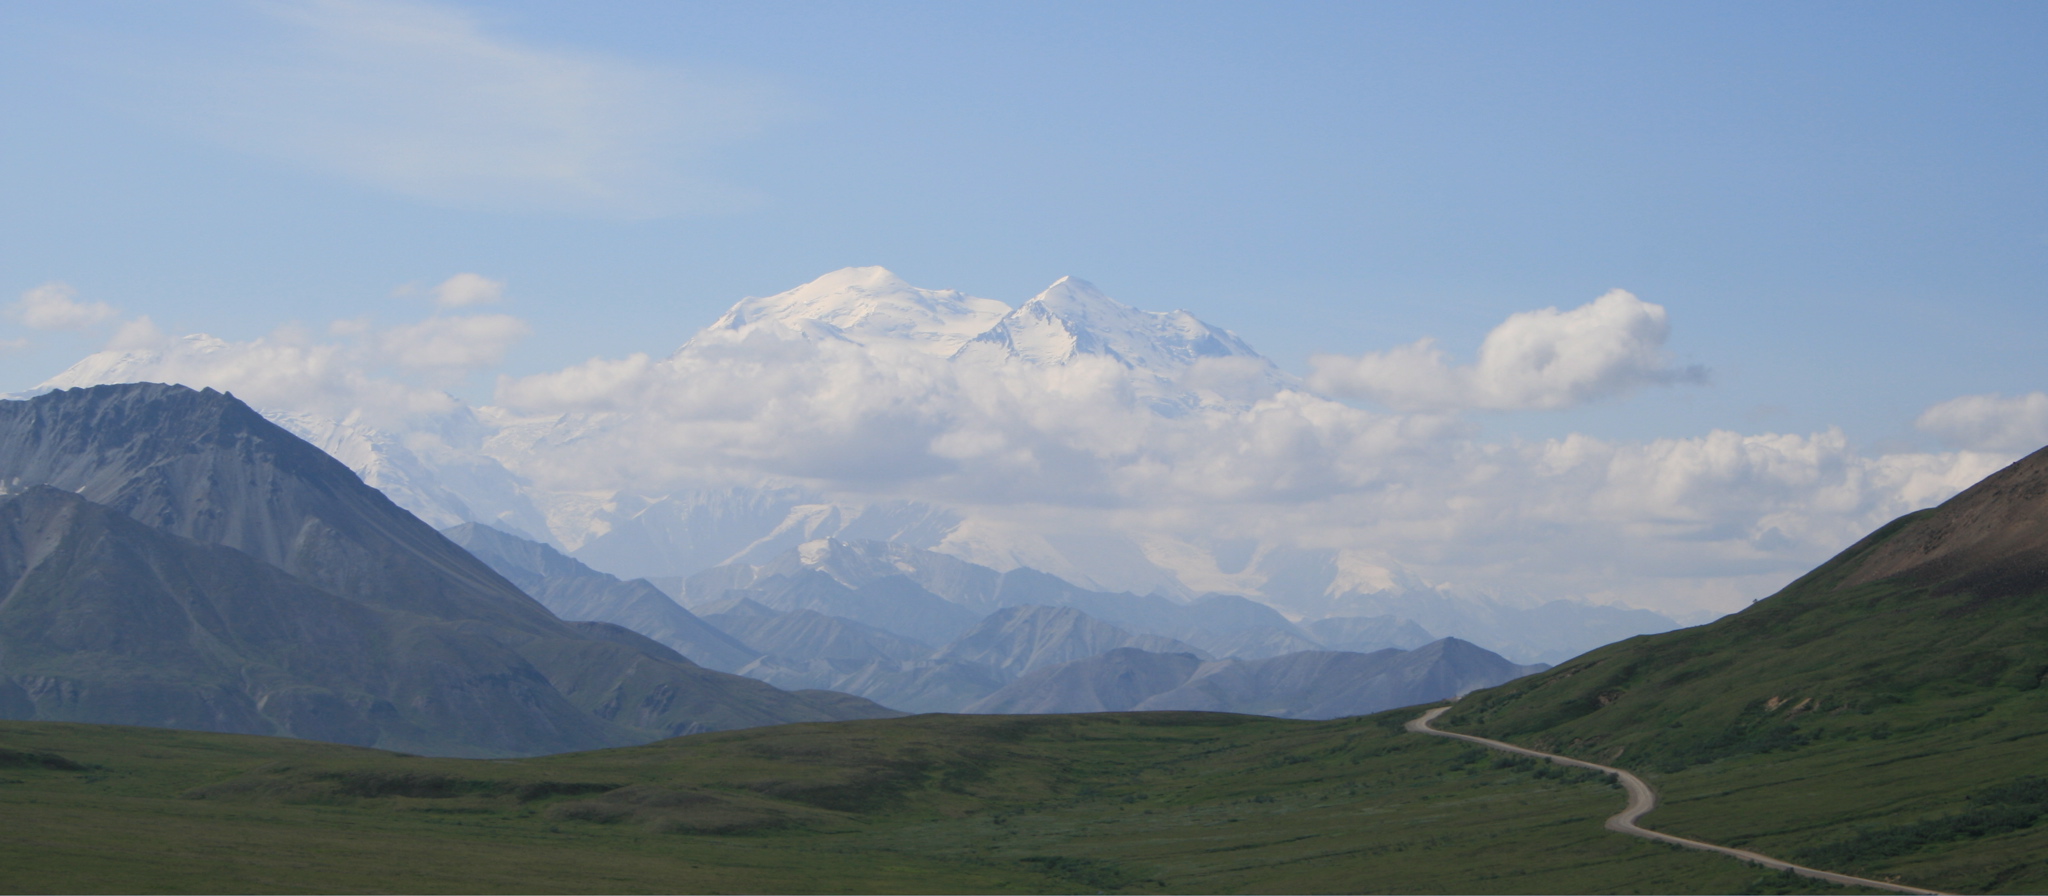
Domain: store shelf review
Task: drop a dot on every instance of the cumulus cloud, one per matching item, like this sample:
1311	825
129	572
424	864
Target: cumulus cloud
55	306
1083	446
1544	359
426	101
1683	524
453	343
1990	422
464	290
600	384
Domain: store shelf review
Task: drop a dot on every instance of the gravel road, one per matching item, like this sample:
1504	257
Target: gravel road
1641	799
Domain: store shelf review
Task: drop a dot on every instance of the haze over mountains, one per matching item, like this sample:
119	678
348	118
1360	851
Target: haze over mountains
924	632
1116	449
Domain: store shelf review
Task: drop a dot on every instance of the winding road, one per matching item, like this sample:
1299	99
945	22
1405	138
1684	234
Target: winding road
1641	799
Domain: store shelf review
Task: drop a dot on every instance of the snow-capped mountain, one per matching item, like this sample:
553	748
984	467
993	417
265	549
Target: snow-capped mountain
869	306
440	474
860	408
1072	318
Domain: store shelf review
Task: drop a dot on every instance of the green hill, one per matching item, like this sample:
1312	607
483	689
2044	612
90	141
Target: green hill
1883	715
1130	802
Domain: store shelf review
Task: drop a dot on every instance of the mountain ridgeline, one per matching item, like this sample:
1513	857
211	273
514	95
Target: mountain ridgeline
920	631
172	558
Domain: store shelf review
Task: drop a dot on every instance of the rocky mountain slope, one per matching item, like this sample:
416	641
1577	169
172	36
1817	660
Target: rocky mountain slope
804	576
576	592
453	658
855	618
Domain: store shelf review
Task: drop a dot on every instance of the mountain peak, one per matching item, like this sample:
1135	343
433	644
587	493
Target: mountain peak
1072	318
870	306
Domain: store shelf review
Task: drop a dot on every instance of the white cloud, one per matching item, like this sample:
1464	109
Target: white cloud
1990	422
54	306
464	290
1542	359
597	384
1678	524
426	101
453	343
285	370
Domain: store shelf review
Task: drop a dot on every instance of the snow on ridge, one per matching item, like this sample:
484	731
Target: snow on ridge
871	306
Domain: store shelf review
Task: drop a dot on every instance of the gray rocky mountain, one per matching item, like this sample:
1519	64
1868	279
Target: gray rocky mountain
1254	643
1546	633
811	635
576	592
1271	666
1365	634
1217	623
445	655
1017	640
1308	685
928	685
891	603
1115	681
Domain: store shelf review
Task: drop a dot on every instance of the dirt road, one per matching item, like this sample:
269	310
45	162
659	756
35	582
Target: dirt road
1641	799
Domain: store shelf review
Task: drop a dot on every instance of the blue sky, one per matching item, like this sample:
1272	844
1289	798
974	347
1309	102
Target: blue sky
1840	205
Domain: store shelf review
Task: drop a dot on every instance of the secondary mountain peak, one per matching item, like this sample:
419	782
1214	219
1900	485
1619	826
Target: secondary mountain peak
871	306
1072	318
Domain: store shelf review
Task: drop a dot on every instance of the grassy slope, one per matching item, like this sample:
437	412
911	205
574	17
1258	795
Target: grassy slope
1823	711
1177	802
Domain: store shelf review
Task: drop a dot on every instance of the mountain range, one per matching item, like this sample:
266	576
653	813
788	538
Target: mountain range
921	631
517	468
172	558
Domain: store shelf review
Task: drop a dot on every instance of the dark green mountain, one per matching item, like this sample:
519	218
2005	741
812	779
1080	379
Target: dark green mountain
1949	603
1884	714
197	566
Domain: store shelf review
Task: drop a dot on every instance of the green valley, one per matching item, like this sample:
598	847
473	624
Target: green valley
1135	802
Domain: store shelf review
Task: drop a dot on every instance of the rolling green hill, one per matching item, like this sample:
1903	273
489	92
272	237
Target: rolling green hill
1883	715
1127	802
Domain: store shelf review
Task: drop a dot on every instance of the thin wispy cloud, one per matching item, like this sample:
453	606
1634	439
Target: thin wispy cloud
431	103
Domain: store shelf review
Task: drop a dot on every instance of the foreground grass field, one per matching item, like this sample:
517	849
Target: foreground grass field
1154	802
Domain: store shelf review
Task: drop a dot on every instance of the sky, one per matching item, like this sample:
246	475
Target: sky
1839	211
